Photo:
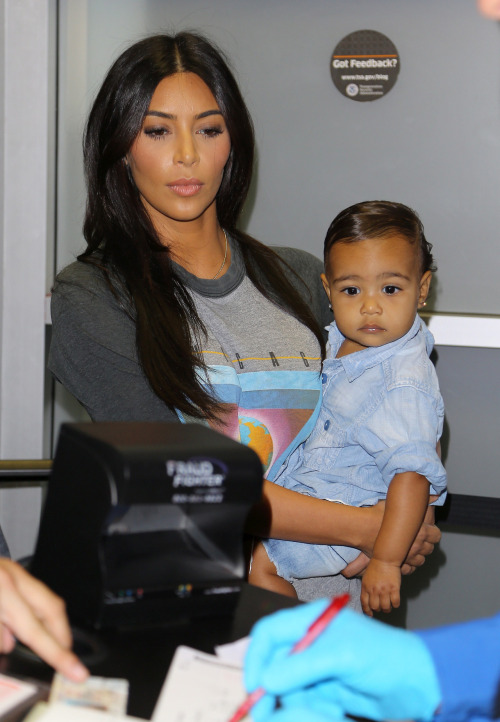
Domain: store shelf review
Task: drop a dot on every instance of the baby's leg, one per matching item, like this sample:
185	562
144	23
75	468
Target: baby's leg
263	573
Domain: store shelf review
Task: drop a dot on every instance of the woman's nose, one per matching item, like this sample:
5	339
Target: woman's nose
185	150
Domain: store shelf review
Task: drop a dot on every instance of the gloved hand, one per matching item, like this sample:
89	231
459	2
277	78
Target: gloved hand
357	666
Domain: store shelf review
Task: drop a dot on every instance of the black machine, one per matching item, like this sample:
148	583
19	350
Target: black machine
143	522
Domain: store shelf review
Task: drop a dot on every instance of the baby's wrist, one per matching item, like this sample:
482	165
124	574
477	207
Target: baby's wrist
377	562
368	527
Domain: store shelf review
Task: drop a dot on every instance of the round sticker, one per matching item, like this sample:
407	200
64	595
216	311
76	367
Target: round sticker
365	65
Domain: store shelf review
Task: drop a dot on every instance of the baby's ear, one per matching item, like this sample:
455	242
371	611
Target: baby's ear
425	284
326	285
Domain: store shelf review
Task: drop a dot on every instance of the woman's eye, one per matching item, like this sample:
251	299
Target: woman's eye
391	290
211	132
350	291
156	133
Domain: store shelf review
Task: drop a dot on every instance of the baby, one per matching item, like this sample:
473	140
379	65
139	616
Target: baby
381	414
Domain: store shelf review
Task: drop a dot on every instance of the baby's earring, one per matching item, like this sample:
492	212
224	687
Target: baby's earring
422	304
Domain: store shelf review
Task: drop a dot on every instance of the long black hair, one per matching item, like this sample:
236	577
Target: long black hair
120	236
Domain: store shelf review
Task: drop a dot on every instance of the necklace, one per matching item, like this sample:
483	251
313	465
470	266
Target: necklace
225	258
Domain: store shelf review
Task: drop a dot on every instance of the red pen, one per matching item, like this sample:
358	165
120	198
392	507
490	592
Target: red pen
316	628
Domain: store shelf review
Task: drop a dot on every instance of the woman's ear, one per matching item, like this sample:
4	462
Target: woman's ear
128	170
425	284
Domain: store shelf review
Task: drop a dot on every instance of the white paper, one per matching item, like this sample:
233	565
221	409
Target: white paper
61	712
233	652
13	692
199	688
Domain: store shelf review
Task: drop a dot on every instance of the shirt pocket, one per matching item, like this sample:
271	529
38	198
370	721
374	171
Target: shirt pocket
324	446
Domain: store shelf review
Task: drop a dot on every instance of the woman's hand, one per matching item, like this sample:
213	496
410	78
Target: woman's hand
37	617
427	537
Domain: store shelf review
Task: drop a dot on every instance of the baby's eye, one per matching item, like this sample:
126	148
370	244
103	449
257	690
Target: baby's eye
391	290
350	291
156	132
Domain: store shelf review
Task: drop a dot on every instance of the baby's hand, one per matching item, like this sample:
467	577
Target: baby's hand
380	587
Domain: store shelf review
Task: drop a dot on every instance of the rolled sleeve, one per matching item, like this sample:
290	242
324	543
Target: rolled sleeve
402	435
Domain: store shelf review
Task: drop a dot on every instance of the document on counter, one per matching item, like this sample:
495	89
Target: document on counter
200	687
94	700
59	712
15	694
105	694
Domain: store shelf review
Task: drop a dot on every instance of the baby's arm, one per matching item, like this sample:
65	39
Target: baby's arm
407	500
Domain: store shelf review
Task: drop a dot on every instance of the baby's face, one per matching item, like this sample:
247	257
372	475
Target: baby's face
375	287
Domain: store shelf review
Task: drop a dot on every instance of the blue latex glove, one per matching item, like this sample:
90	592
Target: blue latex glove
357	666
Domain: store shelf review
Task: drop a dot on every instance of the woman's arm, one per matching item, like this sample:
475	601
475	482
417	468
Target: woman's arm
427	537
286	514
93	350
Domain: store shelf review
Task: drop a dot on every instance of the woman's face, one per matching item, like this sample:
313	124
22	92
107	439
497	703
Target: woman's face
178	158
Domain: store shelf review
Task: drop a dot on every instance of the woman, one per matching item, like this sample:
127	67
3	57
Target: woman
172	313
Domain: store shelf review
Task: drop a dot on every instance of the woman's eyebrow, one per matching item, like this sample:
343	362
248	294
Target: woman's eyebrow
206	113
171	116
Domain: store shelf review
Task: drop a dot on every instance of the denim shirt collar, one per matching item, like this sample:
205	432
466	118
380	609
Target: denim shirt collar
356	363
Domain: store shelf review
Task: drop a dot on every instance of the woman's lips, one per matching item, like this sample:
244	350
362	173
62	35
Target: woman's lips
185	186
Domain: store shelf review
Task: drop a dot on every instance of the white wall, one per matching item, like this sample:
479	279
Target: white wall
432	142
24	73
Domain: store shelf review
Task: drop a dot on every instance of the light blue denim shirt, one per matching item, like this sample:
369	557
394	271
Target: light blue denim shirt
381	414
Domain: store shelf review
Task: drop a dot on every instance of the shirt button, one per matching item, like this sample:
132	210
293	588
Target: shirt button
327	424
323	378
